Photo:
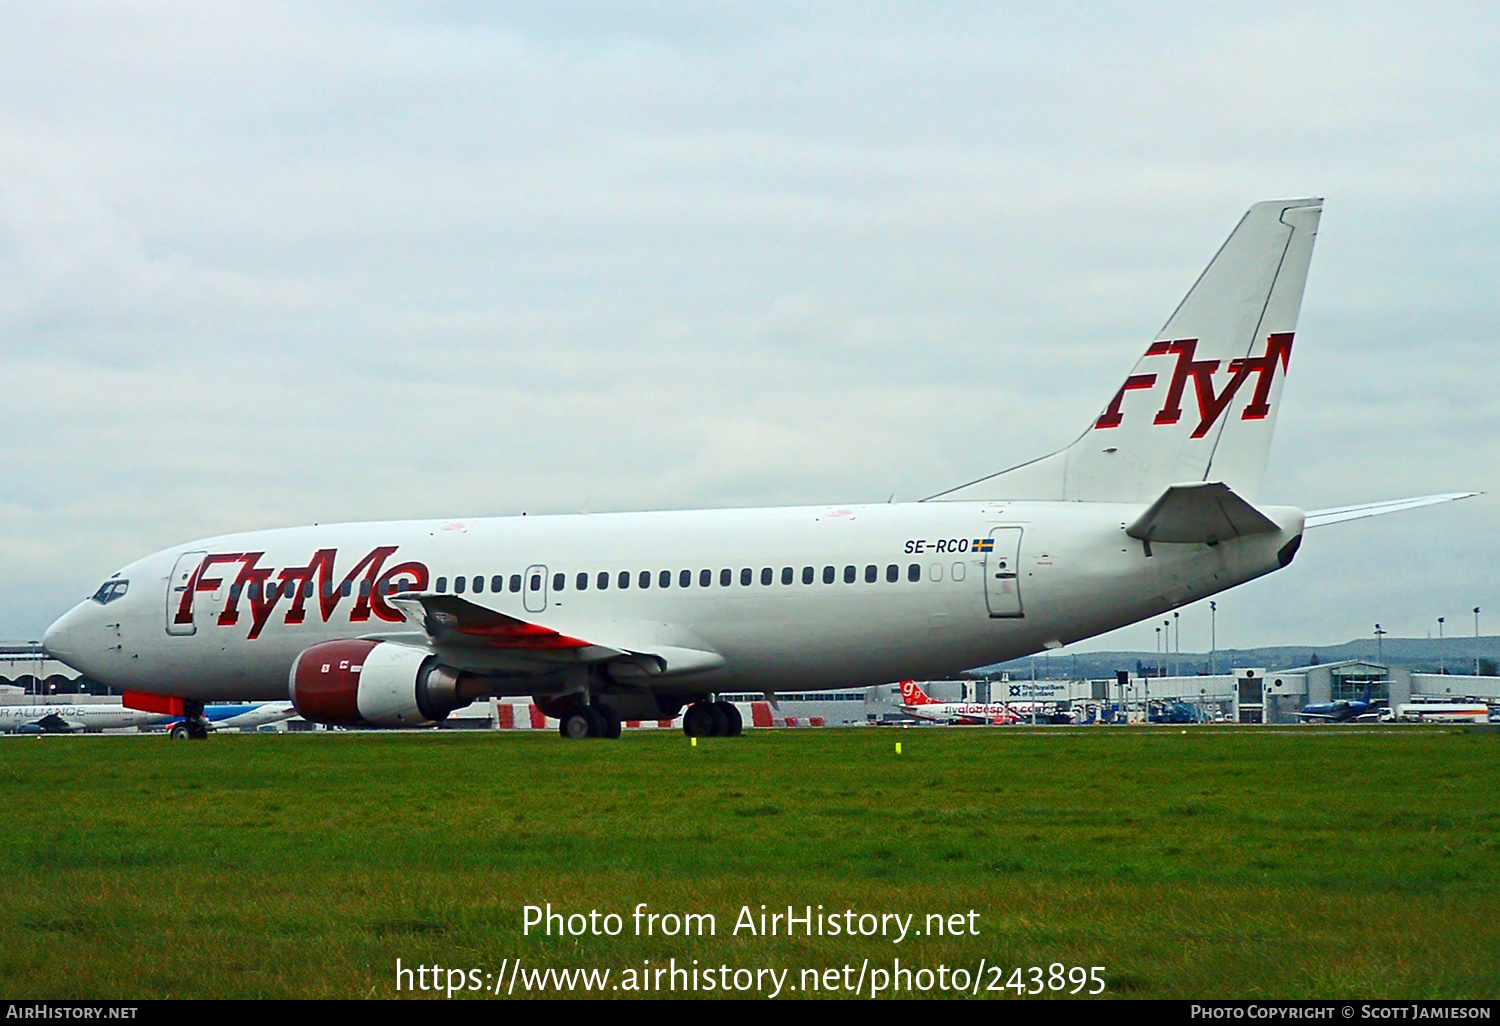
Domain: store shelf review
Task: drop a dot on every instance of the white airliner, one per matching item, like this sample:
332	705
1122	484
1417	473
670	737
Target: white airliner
635	615
918	703
72	719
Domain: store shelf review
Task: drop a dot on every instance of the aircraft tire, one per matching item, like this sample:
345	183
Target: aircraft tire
197	730
576	724
598	725
611	722
699	720
734	722
721	718
179	732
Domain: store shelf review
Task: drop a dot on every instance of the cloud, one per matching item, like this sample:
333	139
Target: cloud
274	263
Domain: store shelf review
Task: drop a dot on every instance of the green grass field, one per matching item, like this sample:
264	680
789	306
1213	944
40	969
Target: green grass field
1306	862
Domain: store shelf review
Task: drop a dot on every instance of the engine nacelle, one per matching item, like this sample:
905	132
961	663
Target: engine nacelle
374	683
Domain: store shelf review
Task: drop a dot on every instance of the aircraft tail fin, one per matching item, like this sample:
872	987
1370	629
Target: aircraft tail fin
1201	403
912	694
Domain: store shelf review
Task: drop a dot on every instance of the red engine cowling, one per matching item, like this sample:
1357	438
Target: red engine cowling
374	683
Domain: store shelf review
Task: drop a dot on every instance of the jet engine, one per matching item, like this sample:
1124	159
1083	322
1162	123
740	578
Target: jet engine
377	684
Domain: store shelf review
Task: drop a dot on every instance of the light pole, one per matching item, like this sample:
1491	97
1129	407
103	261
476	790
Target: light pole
1379	646
1476	641
1159	657
1213	638
1177	638
1166	645
1442	667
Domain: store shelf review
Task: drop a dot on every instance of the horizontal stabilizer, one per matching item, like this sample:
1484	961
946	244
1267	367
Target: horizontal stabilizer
1338	514
1203	512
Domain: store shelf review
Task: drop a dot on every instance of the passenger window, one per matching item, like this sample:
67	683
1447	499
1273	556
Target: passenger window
705	578
583	582
624	578
828	575
892	573
364	588
535	585
958	571
935	571
347	588
849	575
497	584
871	572
478	586
664	579
515	583
645	579
726	577
235	591
786	575
914	572
766	575
603	581
685	579
558	580
807	575
460	585
442	585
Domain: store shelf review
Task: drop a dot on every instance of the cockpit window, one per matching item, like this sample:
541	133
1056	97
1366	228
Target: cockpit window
110	590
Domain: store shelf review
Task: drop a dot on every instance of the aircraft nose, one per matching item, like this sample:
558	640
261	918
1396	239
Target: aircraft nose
61	639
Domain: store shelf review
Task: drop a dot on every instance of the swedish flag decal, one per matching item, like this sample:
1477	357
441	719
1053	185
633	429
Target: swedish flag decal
984	545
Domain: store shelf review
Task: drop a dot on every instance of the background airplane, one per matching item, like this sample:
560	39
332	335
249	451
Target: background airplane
235	716
916	702
1343	710
72	719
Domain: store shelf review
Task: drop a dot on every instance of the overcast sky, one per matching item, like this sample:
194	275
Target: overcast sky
265	264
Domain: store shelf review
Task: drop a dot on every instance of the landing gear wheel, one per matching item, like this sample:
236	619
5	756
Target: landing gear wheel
598	725
179	732
576	724
721	718
734	722
611	722
699	720
197	730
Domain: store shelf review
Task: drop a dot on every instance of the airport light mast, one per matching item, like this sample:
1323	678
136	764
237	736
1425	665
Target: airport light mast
1213	638
1379	646
1442	666
1476	641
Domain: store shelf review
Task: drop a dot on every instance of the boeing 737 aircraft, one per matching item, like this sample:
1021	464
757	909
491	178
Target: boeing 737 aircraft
634	615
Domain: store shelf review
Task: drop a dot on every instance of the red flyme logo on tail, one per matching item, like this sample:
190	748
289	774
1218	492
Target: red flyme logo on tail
1211	404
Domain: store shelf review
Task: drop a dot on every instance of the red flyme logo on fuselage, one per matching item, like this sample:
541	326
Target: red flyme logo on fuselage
263	588
1211	404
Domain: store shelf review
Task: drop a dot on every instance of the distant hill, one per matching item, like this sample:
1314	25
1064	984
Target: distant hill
1419	655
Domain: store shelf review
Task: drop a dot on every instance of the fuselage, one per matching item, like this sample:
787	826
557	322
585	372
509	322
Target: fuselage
799	598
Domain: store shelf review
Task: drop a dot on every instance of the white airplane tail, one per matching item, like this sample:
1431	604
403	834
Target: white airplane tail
1201	403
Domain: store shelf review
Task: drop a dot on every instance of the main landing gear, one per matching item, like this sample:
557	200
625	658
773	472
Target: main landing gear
712	719
581	721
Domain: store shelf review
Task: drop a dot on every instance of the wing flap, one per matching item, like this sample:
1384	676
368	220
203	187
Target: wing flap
473	637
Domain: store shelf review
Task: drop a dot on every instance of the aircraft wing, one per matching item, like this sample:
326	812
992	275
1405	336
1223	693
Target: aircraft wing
1339	514
469	636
